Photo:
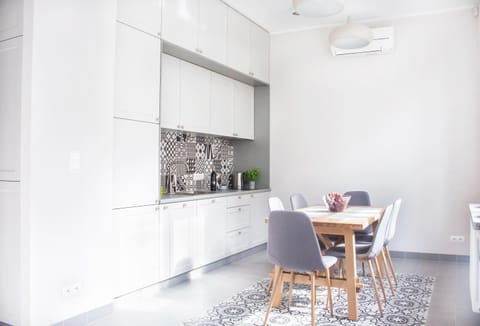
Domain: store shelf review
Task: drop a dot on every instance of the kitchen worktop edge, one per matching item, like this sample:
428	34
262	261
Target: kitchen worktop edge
170	199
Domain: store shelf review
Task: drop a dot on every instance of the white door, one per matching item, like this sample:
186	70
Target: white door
221	105
243	112
258	227
212	33
170	95
259	53
238	42
180	23
180	218
137	75
10	106
146	15
10	281
136	246
194	98
210	230
11	19
135	163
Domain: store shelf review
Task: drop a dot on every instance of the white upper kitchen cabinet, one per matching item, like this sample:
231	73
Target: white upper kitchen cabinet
194	98
180	23
170	95
238	42
10	106
259	211
210	230
11	19
212	30
221	105
180	217
135	163
137	75
243	111
136	248
146	15
259	53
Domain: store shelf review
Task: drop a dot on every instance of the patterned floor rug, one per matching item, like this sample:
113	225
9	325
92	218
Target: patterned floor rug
409	306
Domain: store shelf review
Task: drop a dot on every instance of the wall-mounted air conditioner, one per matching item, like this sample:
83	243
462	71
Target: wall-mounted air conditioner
382	42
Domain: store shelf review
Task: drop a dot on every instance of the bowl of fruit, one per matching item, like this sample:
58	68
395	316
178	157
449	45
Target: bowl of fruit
336	202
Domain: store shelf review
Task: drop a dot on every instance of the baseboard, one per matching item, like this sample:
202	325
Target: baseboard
4	324
429	256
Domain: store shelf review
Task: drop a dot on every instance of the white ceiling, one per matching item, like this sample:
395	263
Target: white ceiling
276	15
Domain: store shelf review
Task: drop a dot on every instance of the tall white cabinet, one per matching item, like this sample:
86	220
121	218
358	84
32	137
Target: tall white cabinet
145	15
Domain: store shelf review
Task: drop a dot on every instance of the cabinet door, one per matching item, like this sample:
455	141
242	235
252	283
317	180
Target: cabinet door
146	15
164	243
180	23
137	252
258	227
137	78
11	19
180	218
238	42
209	230
194	98
243	111
10	281
212	32
259	53
221	106
170	95
135	165
10	106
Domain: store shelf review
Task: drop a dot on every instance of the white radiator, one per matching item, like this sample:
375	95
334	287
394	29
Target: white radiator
475	257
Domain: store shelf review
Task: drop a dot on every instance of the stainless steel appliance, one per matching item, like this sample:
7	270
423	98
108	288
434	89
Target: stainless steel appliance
240	181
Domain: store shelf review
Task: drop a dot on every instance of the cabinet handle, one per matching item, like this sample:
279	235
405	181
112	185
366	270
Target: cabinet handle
165	208
213	201
157	201
239	232
199	50
157	119
159	34
251	196
251	73
156	209
239	197
179	126
239	209
235	134
184	205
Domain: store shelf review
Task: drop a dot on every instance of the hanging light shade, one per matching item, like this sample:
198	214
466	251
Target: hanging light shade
351	36
317	8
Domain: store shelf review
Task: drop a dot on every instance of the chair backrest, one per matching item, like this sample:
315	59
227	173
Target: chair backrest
298	201
393	221
275	204
292	242
380	233
358	198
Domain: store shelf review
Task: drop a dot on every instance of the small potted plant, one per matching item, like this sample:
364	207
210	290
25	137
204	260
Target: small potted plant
252	176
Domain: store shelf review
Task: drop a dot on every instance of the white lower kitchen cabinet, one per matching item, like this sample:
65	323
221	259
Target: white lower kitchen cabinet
259	211
136	248
209	226
180	220
135	163
237	240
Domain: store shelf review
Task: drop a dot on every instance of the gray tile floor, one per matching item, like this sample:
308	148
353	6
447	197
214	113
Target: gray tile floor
171	306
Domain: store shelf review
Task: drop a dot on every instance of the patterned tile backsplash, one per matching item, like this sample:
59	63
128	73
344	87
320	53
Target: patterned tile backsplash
186	154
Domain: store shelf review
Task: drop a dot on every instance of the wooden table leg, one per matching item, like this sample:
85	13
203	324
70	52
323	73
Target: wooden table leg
277	289
351	262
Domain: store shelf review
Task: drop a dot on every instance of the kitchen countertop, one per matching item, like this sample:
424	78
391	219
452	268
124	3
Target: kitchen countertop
176	198
475	213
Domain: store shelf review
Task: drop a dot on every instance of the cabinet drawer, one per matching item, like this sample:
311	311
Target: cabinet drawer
237	240
205	202
239	200
238	217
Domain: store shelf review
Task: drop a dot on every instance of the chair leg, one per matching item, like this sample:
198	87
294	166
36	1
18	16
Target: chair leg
276	282
340	268
292	280
363	268
271	281
314	296
387	272
387	252
374	283
380	278
329	292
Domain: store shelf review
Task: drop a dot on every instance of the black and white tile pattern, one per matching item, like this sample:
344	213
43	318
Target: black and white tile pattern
409	306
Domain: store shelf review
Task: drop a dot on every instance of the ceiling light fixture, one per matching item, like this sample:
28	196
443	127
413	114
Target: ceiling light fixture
317	8
351	36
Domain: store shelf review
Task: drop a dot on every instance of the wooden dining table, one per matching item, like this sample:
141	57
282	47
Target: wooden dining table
344	223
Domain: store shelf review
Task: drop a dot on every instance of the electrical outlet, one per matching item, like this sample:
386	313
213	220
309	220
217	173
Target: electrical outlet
457	238
71	290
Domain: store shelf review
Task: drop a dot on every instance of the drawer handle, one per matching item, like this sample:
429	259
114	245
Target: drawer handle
165	207
156	209
239	209
213	201
235	134
239	232
184	205
239	197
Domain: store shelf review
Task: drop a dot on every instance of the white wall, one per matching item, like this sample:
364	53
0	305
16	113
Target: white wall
399	125
68	174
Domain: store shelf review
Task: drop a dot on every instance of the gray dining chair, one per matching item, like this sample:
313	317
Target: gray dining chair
293	246
389	237
360	198
275	204
370	253
298	201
